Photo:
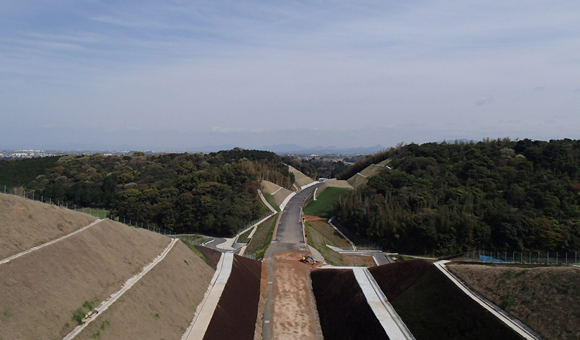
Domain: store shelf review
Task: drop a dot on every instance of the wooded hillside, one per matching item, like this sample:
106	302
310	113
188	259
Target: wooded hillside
207	193
495	195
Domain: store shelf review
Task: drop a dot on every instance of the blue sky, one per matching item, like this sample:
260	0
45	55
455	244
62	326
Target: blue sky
182	74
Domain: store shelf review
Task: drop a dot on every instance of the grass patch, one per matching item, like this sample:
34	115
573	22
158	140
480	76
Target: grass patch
330	234
78	316
199	253
262	238
270	199
324	204
244	237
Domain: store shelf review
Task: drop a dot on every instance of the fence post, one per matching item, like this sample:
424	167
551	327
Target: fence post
547	257
556	257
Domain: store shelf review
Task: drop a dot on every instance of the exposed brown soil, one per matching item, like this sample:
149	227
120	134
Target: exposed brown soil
258	332
342	307
212	255
161	305
395	278
544	298
293	313
236	312
40	291
359	260
300	178
25	224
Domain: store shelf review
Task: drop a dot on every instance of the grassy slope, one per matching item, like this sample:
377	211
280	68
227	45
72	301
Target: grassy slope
434	308
325	202
316	238
262	238
541	297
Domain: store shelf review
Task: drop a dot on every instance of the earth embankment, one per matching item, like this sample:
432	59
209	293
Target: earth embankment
540	296
161	305
433	307
26	224
342	307
41	291
237	309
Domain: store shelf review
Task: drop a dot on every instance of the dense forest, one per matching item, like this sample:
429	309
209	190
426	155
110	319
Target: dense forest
446	198
205	193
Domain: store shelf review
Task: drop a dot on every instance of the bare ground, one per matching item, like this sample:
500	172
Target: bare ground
333	183
544	298
161	305
40	291
293	315
25	224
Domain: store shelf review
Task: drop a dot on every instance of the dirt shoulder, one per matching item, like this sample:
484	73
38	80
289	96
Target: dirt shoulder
541	297
27	224
291	309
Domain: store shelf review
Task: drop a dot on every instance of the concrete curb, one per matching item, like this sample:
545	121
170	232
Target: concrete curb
206	309
384	311
509	320
340	232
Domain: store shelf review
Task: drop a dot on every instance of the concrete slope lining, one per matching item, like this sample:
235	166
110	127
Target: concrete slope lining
201	320
519	329
115	296
385	313
8	259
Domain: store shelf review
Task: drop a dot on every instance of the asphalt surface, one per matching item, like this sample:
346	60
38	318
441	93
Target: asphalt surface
290	227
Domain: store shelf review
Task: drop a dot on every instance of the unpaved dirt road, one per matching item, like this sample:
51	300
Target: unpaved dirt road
290	306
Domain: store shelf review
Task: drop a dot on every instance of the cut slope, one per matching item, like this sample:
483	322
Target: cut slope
342	307
42	290
26	224
541	297
300	179
361	178
161	305
433	307
237	310
278	193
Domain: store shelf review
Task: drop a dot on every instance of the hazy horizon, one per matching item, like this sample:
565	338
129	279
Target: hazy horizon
176	75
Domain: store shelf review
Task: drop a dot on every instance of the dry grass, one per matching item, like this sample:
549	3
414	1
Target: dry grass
359	179
330	235
161	305
544	298
42	290
25	224
300	178
270	188
317	238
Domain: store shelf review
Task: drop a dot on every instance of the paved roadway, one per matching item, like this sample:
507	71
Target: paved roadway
290	227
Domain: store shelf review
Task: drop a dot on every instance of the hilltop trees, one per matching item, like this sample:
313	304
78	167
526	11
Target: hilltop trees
495	195
208	193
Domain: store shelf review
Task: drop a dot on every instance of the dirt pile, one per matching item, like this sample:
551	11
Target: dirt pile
25	224
433	307
541	297
342	307
237	310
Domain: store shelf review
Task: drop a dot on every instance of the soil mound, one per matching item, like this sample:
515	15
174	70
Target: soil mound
342	307
212	255
395	278
25	224
237	310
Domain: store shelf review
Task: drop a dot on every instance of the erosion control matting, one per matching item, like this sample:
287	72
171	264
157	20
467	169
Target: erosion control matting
236	312
342	307
433	307
212	255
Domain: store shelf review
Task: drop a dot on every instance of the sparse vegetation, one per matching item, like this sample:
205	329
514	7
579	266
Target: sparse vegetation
262	238
199	253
